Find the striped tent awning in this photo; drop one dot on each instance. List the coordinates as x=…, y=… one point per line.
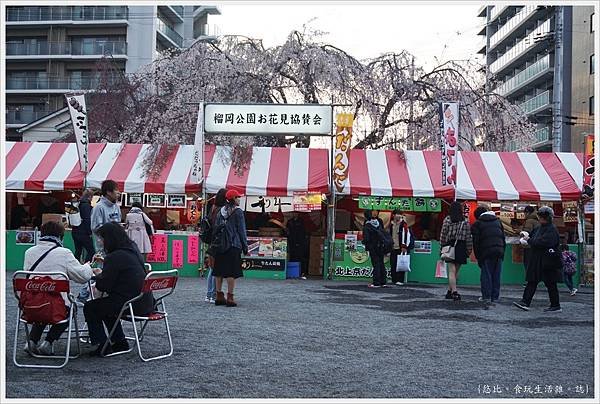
x=387, y=173
x=507, y=176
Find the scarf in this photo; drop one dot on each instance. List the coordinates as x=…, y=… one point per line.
x=52, y=239
x=405, y=237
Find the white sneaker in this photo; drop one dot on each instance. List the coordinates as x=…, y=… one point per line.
x=303, y=277
x=211, y=300
x=573, y=292
x=399, y=283
x=45, y=348
x=31, y=348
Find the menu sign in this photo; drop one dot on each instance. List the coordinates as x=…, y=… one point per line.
x=263, y=264
x=418, y=204
x=307, y=201
x=159, y=249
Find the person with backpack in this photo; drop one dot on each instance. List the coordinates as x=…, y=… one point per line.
x=569, y=259
x=206, y=229
x=377, y=242
x=489, y=243
x=228, y=243
x=455, y=235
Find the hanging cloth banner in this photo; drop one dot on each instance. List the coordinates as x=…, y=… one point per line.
x=78, y=112
x=198, y=159
x=449, y=118
x=343, y=140
x=588, y=166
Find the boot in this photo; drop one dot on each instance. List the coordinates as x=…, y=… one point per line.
x=230, y=302
x=220, y=300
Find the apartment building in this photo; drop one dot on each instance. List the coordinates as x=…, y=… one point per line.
x=53, y=50
x=532, y=56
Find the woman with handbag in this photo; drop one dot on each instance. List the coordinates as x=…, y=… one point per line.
x=403, y=244
x=456, y=245
x=139, y=228
x=49, y=255
x=545, y=262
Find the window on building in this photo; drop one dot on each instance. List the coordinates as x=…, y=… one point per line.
x=591, y=105
x=593, y=22
x=592, y=64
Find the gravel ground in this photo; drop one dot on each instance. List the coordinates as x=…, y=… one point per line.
x=314, y=339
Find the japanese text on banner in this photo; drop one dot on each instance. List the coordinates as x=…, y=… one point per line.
x=198, y=159
x=78, y=112
x=588, y=166
x=192, y=249
x=177, y=253
x=449, y=119
x=343, y=142
x=159, y=249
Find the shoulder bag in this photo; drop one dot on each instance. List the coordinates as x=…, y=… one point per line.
x=448, y=253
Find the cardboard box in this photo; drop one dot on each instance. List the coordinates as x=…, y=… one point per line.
x=315, y=261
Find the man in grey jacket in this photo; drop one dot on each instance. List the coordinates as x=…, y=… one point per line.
x=106, y=210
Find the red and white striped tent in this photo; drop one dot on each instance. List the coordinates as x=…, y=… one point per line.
x=491, y=176
x=387, y=173
x=273, y=171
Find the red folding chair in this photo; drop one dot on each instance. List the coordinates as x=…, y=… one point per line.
x=161, y=284
x=27, y=281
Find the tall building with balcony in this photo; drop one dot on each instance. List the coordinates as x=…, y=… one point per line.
x=529, y=59
x=53, y=50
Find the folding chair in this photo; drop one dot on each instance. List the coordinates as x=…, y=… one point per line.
x=23, y=281
x=161, y=284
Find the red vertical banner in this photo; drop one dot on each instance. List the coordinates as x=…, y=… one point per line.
x=159, y=249
x=177, y=253
x=192, y=249
x=588, y=166
x=449, y=119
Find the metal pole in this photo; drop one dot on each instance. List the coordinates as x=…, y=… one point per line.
x=331, y=207
x=411, y=133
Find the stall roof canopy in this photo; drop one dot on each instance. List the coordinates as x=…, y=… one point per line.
x=281, y=171
x=273, y=171
x=519, y=176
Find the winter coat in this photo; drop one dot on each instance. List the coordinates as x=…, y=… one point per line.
x=370, y=238
x=456, y=231
x=58, y=260
x=105, y=211
x=85, y=211
x=531, y=222
x=541, y=239
x=489, y=240
x=236, y=226
x=136, y=229
x=123, y=276
x=405, y=235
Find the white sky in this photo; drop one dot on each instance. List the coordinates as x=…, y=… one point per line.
x=364, y=30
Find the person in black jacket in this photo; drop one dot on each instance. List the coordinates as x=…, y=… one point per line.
x=371, y=240
x=122, y=278
x=82, y=234
x=544, y=262
x=403, y=244
x=489, y=243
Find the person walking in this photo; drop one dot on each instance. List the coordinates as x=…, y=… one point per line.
x=569, y=268
x=57, y=259
x=456, y=232
x=489, y=243
x=545, y=263
x=228, y=265
x=107, y=209
x=219, y=202
x=531, y=222
x=372, y=242
x=297, y=246
x=122, y=278
x=135, y=223
x=82, y=234
x=403, y=244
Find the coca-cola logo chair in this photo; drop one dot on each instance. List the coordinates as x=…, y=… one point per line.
x=40, y=295
x=161, y=284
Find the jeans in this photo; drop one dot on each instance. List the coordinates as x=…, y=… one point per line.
x=491, y=269
x=568, y=280
x=54, y=333
x=211, y=291
x=552, y=293
x=379, y=275
x=99, y=311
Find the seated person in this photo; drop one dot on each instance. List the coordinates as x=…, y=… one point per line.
x=122, y=278
x=60, y=259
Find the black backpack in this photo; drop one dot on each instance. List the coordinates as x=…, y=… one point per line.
x=221, y=238
x=385, y=243
x=206, y=230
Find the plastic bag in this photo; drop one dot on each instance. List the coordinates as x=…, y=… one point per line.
x=441, y=270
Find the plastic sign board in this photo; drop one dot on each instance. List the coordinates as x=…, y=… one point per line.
x=417, y=204
x=282, y=119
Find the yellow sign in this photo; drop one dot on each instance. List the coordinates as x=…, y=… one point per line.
x=343, y=142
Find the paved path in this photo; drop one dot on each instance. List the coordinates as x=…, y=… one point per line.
x=313, y=338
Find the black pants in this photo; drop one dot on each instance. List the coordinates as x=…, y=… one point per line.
x=552, y=293
x=54, y=333
x=396, y=276
x=379, y=276
x=103, y=310
x=83, y=241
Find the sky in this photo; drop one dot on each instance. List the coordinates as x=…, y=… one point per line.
x=364, y=30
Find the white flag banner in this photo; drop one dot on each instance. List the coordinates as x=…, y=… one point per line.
x=198, y=160
x=76, y=104
x=449, y=118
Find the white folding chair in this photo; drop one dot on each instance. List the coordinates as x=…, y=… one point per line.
x=161, y=284
x=59, y=282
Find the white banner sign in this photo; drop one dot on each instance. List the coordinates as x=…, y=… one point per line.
x=270, y=203
x=76, y=104
x=268, y=118
x=449, y=123
x=198, y=158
